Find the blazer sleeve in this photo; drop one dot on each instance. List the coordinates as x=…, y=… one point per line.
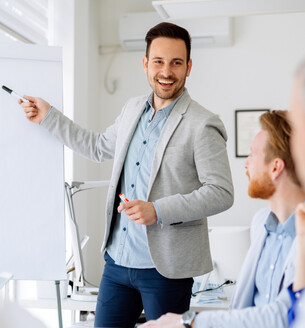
x=212, y=189
x=271, y=315
x=94, y=146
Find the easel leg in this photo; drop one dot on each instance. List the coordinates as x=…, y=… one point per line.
x=57, y=282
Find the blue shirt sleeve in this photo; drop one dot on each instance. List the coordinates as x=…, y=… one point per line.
x=157, y=209
x=294, y=296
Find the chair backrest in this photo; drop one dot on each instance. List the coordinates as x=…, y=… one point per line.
x=229, y=246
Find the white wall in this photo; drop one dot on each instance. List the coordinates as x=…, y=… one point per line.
x=89, y=205
x=76, y=29
x=255, y=73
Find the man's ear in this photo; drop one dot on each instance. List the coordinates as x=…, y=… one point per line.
x=189, y=67
x=278, y=166
x=145, y=63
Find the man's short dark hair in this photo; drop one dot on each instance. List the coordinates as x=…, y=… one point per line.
x=169, y=30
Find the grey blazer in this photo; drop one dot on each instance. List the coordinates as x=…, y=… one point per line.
x=243, y=314
x=190, y=177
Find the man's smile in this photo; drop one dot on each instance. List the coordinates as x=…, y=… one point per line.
x=165, y=83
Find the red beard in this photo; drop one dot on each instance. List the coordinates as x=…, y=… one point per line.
x=262, y=187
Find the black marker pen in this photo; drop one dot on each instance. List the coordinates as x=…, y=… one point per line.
x=14, y=93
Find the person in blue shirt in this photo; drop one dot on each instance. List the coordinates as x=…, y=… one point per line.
x=261, y=297
x=297, y=118
x=170, y=160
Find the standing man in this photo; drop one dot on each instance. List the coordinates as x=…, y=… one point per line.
x=170, y=161
x=261, y=298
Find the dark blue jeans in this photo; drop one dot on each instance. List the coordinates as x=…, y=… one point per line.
x=124, y=292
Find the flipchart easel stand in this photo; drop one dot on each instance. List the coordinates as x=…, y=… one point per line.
x=79, y=292
x=59, y=311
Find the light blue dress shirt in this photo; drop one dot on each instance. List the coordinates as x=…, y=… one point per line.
x=279, y=240
x=128, y=244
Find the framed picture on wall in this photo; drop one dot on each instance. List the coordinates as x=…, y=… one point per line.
x=246, y=127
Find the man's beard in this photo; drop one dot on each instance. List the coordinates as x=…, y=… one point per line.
x=262, y=187
x=167, y=94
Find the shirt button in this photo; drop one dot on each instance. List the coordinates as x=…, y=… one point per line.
x=280, y=237
x=137, y=163
x=132, y=186
x=267, y=296
x=124, y=229
x=144, y=142
x=297, y=295
x=271, y=267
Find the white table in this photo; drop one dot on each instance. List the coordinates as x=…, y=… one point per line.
x=69, y=304
x=76, y=306
x=66, y=304
x=212, y=306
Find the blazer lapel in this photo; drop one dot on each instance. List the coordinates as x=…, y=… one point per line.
x=125, y=137
x=288, y=271
x=169, y=128
x=244, y=293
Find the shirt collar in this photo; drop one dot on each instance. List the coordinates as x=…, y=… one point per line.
x=289, y=225
x=272, y=225
x=167, y=110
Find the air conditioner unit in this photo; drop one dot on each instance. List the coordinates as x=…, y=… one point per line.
x=205, y=32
